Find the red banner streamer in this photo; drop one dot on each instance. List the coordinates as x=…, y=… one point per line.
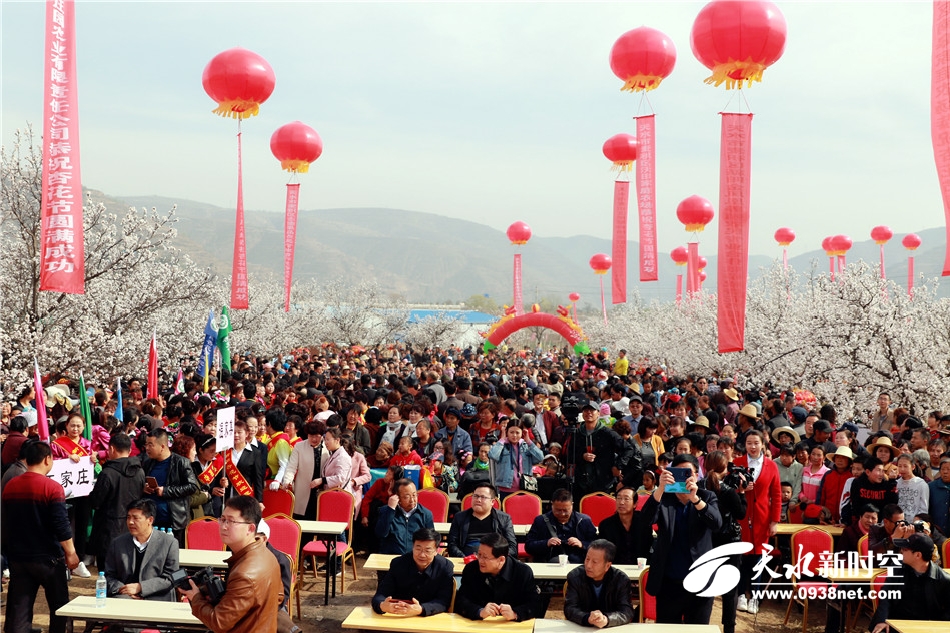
x=516, y=283
x=151, y=389
x=940, y=109
x=679, y=289
x=618, y=272
x=62, y=253
x=290, y=238
x=692, y=268
x=646, y=197
x=603, y=300
x=239, y=294
x=735, y=166
x=910, y=276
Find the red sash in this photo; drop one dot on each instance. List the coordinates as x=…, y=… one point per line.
x=270, y=446
x=70, y=446
x=294, y=441
x=210, y=473
x=234, y=475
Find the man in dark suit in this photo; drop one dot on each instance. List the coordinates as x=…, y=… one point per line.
x=497, y=584
x=685, y=525
x=139, y=564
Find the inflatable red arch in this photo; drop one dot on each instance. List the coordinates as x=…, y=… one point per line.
x=560, y=323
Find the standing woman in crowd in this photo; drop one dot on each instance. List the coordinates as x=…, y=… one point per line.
x=72, y=445
x=359, y=473
x=732, y=507
x=201, y=453
x=513, y=457
x=649, y=442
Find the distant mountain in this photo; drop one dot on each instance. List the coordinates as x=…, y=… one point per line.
x=431, y=258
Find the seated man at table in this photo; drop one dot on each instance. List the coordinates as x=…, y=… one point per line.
x=401, y=518
x=598, y=594
x=497, y=584
x=418, y=583
x=625, y=529
x=560, y=531
x=469, y=526
x=853, y=533
x=924, y=587
x=139, y=563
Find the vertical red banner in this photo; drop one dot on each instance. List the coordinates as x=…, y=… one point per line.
x=646, y=196
x=516, y=285
x=940, y=110
x=239, y=294
x=679, y=289
x=910, y=276
x=151, y=389
x=692, y=268
x=618, y=272
x=735, y=167
x=290, y=238
x=62, y=252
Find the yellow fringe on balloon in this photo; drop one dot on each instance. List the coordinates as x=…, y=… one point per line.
x=519, y=242
x=641, y=83
x=734, y=74
x=695, y=228
x=295, y=165
x=622, y=165
x=237, y=109
x=600, y=272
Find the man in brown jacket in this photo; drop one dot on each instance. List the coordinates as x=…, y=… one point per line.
x=254, y=591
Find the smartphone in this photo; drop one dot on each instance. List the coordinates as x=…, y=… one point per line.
x=151, y=482
x=680, y=475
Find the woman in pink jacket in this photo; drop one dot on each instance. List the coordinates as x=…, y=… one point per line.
x=359, y=473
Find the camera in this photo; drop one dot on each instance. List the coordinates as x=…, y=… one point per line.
x=210, y=585
x=738, y=476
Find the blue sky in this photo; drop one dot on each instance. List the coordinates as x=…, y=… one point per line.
x=496, y=112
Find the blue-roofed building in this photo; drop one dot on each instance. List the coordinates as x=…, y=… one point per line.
x=471, y=323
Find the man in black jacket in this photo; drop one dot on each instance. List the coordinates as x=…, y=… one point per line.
x=598, y=594
x=418, y=583
x=497, y=584
x=560, y=531
x=595, y=451
x=469, y=526
x=174, y=483
x=924, y=587
x=120, y=483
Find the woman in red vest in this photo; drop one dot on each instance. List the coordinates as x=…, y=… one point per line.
x=72, y=445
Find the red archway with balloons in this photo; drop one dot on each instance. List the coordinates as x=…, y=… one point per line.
x=562, y=323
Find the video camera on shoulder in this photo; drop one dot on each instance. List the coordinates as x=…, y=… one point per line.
x=739, y=476
x=210, y=585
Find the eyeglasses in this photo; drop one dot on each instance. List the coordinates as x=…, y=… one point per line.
x=482, y=497
x=230, y=522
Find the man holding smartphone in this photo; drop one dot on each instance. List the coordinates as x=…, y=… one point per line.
x=418, y=583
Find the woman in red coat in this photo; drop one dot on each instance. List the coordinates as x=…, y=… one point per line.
x=764, y=498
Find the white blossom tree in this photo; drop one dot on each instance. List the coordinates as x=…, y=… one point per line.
x=435, y=330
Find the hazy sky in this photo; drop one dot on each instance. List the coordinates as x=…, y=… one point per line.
x=496, y=112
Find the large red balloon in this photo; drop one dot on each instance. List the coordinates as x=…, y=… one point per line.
x=601, y=263
x=881, y=234
x=841, y=244
x=738, y=40
x=695, y=212
x=784, y=236
x=827, y=247
x=680, y=255
x=702, y=263
x=519, y=233
x=296, y=145
x=239, y=81
x=911, y=241
x=642, y=58
x=574, y=297
x=622, y=150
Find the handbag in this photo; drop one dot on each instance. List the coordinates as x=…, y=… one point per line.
x=529, y=483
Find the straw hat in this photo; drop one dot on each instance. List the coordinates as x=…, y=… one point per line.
x=732, y=394
x=785, y=429
x=884, y=441
x=843, y=451
x=58, y=394
x=749, y=411
x=700, y=421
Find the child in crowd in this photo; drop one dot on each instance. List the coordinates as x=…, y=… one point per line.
x=649, y=483
x=786, y=500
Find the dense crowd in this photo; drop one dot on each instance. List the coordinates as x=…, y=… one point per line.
x=383, y=423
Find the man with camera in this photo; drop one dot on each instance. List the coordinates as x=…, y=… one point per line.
x=139, y=563
x=253, y=593
x=923, y=587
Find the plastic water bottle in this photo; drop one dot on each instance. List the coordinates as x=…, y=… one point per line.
x=101, y=590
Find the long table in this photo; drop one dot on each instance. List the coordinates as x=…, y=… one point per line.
x=915, y=626
x=443, y=529
x=365, y=618
x=566, y=626
x=542, y=571
x=201, y=558
x=328, y=532
x=135, y=613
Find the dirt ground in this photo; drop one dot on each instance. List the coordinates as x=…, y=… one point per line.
x=319, y=619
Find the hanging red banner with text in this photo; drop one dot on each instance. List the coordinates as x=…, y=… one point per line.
x=239, y=294
x=516, y=283
x=735, y=166
x=646, y=196
x=940, y=110
x=618, y=273
x=290, y=238
x=62, y=252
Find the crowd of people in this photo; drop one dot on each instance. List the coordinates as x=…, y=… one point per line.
x=382, y=423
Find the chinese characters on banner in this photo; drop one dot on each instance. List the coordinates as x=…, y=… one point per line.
x=76, y=478
x=62, y=254
x=225, y=434
x=239, y=292
x=290, y=239
x=646, y=196
x=618, y=273
x=516, y=282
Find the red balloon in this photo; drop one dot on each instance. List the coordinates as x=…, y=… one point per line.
x=239, y=80
x=702, y=275
x=574, y=297
x=738, y=40
x=642, y=58
x=702, y=263
x=784, y=236
x=695, y=212
x=841, y=244
x=600, y=263
x=622, y=150
x=296, y=145
x=911, y=241
x=826, y=246
x=680, y=255
x=519, y=233
x=881, y=234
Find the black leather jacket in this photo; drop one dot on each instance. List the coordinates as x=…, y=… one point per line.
x=614, y=601
x=179, y=487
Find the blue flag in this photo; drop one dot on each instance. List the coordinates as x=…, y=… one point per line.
x=207, y=347
x=118, y=392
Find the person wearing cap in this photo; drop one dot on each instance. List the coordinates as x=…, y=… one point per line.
x=872, y=487
x=832, y=485
x=701, y=425
x=924, y=587
x=884, y=450
x=732, y=401
x=594, y=450
x=821, y=434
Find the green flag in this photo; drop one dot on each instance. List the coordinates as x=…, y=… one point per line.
x=84, y=408
x=224, y=328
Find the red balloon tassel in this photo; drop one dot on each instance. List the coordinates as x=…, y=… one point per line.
x=910, y=276
x=619, y=253
x=518, y=233
x=646, y=196
x=603, y=300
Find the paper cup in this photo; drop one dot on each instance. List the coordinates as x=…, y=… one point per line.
x=562, y=560
x=641, y=563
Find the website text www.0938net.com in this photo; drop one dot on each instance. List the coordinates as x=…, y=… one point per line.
x=812, y=591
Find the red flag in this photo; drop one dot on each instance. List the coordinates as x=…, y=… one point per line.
x=646, y=196
x=42, y=425
x=735, y=167
x=618, y=272
x=940, y=109
x=290, y=238
x=239, y=293
x=152, y=390
x=62, y=255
